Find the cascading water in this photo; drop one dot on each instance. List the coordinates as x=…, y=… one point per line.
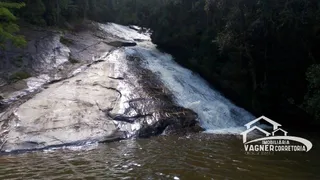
x=216, y=113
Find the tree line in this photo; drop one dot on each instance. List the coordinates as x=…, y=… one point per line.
x=262, y=54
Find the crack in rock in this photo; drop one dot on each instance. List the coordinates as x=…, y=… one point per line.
x=130, y=119
x=123, y=118
x=110, y=88
x=116, y=78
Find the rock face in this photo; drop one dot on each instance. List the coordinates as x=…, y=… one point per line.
x=66, y=112
x=105, y=97
x=49, y=56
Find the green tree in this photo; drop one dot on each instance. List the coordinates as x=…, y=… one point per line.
x=8, y=26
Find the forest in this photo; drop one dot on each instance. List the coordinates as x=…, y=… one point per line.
x=263, y=55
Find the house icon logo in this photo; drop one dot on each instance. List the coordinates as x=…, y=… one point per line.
x=250, y=128
x=274, y=138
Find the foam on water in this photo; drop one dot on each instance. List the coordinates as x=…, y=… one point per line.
x=216, y=113
x=123, y=32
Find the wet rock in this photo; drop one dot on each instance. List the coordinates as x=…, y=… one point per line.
x=3, y=82
x=148, y=107
x=108, y=97
x=175, y=121
x=64, y=113
x=49, y=53
x=139, y=40
x=121, y=43
x=137, y=28
x=95, y=108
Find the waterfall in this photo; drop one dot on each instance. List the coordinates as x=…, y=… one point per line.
x=216, y=113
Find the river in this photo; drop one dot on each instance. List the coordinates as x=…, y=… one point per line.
x=200, y=156
x=218, y=153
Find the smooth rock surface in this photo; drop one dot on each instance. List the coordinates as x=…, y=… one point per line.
x=66, y=112
x=109, y=96
x=51, y=55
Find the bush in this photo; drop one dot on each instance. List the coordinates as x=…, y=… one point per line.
x=19, y=76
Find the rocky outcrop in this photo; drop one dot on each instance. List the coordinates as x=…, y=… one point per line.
x=105, y=95
x=65, y=112
x=50, y=56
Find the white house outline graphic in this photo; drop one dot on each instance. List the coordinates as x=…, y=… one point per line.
x=285, y=132
x=273, y=123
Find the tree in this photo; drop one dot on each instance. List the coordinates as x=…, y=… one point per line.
x=8, y=26
x=312, y=99
x=34, y=11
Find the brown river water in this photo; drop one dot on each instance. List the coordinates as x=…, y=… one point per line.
x=196, y=156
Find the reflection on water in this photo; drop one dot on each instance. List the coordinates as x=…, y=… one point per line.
x=203, y=156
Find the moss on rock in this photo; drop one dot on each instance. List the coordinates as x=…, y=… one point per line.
x=66, y=41
x=19, y=76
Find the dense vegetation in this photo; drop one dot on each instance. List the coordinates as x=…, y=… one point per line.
x=8, y=26
x=261, y=54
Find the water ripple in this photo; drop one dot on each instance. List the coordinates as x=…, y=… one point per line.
x=202, y=156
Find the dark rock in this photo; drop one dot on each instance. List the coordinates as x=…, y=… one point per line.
x=121, y=43
x=135, y=27
x=139, y=40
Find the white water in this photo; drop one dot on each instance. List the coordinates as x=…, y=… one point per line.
x=216, y=113
x=124, y=32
